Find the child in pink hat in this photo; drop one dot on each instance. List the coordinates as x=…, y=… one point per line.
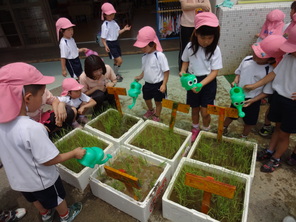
x=69, y=52
x=202, y=58
x=283, y=104
x=273, y=25
x=110, y=31
x=28, y=155
x=155, y=71
x=288, y=27
x=78, y=101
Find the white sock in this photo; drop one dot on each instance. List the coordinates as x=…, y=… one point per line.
x=196, y=126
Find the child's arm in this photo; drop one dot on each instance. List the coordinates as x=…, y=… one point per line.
x=236, y=80
x=255, y=99
x=82, y=50
x=59, y=111
x=208, y=79
x=184, y=68
x=77, y=153
x=165, y=81
x=64, y=70
x=138, y=78
x=268, y=78
x=125, y=28
x=105, y=44
x=89, y=104
x=205, y=5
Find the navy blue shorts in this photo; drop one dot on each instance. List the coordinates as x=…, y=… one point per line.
x=283, y=110
x=206, y=95
x=151, y=91
x=74, y=67
x=251, y=113
x=115, y=50
x=48, y=197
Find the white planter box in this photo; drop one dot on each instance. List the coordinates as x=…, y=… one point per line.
x=174, y=161
x=176, y=212
x=139, y=210
x=80, y=180
x=116, y=141
x=252, y=146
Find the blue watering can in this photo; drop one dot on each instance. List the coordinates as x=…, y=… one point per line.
x=134, y=91
x=189, y=81
x=93, y=156
x=237, y=97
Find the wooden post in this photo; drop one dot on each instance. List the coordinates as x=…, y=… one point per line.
x=209, y=186
x=222, y=112
x=117, y=91
x=174, y=106
x=128, y=180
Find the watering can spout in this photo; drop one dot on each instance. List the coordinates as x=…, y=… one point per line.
x=109, y=156
x=237, y=97
x=93, y=156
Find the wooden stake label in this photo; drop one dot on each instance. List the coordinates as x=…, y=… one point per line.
x=117, y=91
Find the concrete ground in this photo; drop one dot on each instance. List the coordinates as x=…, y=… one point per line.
x=272, y=197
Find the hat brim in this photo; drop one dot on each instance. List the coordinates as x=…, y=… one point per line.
x=259, y=52
x=140, y=44
x=45, y=80
x=288, y=47
x=110, y=12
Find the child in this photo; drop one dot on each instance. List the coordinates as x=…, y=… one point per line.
x=28, y=155
x=68, y=48
x=110, y=31
x=290, y=25
x=252, y=69
x=78, y=101
x=273, y=25
x=202, y=57
x=282, y=107
x=155, y=71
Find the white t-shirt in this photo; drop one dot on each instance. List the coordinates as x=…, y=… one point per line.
x=199, y=65
x=68, y=48
x=250, y=72
x=110, y=30
x=285, y=80
x=24, y=148
x=154, y=65
x=74, y=102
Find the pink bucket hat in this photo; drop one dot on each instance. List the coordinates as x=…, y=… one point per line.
x=273, y=24
x=107, y=9
x=70, y=84
x=289, y=45
x=63, y=23
x=290, y=27
x=90, y=52
x=206, y=18
x=269, y=47
x=13, y=78
x=146, y=35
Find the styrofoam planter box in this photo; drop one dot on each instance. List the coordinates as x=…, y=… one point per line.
x=80, y=180
x=139, y=210
x=253, y=146
x=174, y=161
x=176, y=212
x=115, y=141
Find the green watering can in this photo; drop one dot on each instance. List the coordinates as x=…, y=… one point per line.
x=134, y=91
x=189, y=81
x=93, y=156
x=237, y=97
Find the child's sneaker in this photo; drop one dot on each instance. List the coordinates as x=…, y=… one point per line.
x=264, y=155
x=149, y=114
x=12, y=215
x=155, y=118
x=289, y=219
x=49, y=216
x=76, y=125
x=291, y=161
x=195, y=133
x=82, y=119
x=266, y=130
x=74, y=210
x=270, y=165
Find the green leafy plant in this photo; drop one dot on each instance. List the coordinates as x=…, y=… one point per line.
x=113, y=123
x=222, y=208
x=78, y=139
x=236, y=156
x=161, y=141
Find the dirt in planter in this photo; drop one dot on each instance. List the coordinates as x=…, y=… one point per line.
x=221, y=208
x=138, y=167
x=79, y=139
x=161, y=141
x=114, y=124
x=236, y=156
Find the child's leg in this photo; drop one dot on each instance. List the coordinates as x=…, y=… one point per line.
x=206, y=118
x=158, y=108
x=195, y=115
x=149, y=104
x=117, y=63
x=75, y=124
x=39, y=207
x=247, y=130
x=227, y=122
x=282, y=144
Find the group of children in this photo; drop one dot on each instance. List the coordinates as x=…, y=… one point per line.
x=273, y=63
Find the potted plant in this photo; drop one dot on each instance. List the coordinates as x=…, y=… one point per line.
x=71, y=170
x=113, y=126
x=160, y=141
x=230, y=153
x=181, y=202
x=151, y=173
